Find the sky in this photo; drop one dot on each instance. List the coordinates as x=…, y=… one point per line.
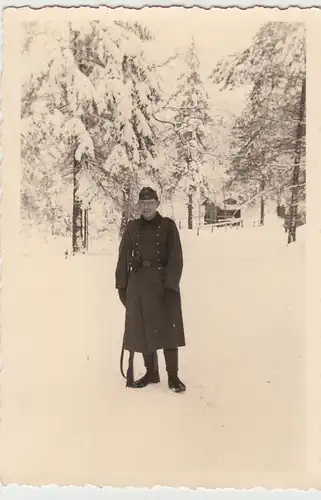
x=217, y=34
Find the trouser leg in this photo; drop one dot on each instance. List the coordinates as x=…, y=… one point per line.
x=151, y=362
x=171, y=361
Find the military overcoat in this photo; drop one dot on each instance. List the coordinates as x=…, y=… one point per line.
x=153, y=317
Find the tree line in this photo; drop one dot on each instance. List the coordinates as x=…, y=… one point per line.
x=96, y=121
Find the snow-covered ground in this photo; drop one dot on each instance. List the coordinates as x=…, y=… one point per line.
x=64, y=401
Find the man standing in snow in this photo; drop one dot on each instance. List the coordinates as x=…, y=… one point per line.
x=148, y=274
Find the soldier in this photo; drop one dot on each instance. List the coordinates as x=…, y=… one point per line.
x=148, y=274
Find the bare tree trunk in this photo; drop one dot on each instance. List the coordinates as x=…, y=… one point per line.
x=199, y=214
x=82, y=224
x=85, y=231
x=262, y=207
x=296, y=169
x=77, y=241
x=190, y=209
x=126, y=209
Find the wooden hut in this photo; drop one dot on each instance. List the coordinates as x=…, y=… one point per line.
x=219, y=212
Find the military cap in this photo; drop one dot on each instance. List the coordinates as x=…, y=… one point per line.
x=148, y=193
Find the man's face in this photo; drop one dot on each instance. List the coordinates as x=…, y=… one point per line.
x=148, y=208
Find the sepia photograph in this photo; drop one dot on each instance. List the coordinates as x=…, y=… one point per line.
x=155, y=323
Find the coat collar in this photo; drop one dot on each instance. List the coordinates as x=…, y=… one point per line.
x=153, y=223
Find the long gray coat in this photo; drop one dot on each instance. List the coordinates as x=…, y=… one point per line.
x=153, y=301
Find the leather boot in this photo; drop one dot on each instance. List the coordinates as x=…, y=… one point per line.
x=171, y=361
x=152, y=374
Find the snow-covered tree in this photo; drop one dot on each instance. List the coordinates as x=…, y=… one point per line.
x=264, y=136
x=188, y=137
x=93, y=78
x=122, y=125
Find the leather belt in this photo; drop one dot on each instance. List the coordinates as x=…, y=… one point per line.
x=147, y=263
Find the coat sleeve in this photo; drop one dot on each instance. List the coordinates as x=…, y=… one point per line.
x=174, y=268
x=122, y=268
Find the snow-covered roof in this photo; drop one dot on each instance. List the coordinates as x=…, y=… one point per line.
x=221, y=204
x=228, y=206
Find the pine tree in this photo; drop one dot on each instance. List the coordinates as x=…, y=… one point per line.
x=189, y=131
x=296, y=169
x=264, y=141
x=82, y=155
x=125, y=133
x=94, y=86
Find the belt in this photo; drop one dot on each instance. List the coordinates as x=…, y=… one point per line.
x=147, y=263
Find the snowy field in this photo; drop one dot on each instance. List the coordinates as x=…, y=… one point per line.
x=243, y=293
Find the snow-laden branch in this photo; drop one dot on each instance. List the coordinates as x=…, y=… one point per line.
x=264, y=193
x=166, y=62
x=85, y=147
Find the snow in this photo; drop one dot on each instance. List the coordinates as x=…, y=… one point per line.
x=243, y=303
x=85, y=145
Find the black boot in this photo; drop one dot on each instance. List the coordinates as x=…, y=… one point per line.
x=152, y=374
x=171, y=360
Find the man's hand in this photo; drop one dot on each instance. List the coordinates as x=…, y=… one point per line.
x=122, y=296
